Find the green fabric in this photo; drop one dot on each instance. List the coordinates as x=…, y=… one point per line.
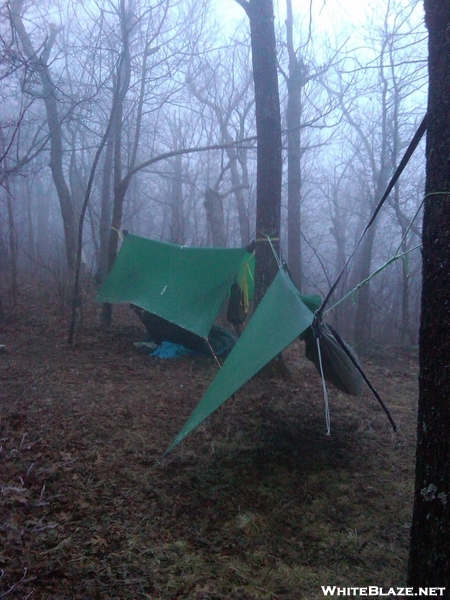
x=186, y=286
x=279, y=319
x=313, y=302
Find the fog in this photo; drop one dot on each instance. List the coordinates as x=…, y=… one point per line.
x=112, y=91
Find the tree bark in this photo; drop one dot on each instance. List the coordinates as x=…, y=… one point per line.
x=293, y=122
x=268, y=127
x=429, y=558
x=122, y=84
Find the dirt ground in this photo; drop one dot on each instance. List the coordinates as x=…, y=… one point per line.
x=258, y=503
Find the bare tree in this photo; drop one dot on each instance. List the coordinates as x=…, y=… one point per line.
x=128, y=134
x=225, y=91
x=38, y=82
x=375, y=135
x=300, y=72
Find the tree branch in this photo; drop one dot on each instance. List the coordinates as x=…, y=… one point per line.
x=173, y=153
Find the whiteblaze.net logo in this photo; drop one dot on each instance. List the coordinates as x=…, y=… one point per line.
x=375, y=591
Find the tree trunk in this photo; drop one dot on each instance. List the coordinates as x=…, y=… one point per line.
x=361, y=332
x=3, y=267
x=12, y=233
x=238, y=183
x=293, y=121
x=214, y=215
x=405, y=332
x=362, y=320
x=42, y=217
x=121, y=184
x=105, y=210
x=56, y=165
x=177, y=220
x=235, y=156
x=268, y=127
x=429, y=558
x=119, y=189
x=113, y=244
x=38, y=62
x=12, y=250
x=3, y=250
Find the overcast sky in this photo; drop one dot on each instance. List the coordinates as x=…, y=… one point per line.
x=336, y=19
x=333, y=14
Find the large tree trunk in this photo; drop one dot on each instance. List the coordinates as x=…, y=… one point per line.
x=268, y=128
x=293, y=122
x=429, y=559
x=120, y=183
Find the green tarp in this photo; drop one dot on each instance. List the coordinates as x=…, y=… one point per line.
x=280, y=318
x=186, y=286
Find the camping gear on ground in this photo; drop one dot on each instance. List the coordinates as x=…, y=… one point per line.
x=220, y=343
x=145, y=347
x=169, y=350
x=159, y=330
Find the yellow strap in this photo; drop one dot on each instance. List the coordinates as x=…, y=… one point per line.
x=119, y=232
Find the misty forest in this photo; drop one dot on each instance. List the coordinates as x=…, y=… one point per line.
x=135, y=117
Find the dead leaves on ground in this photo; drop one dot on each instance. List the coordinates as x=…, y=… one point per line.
x=258, y=503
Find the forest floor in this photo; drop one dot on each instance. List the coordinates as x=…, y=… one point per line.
x=258, y=503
